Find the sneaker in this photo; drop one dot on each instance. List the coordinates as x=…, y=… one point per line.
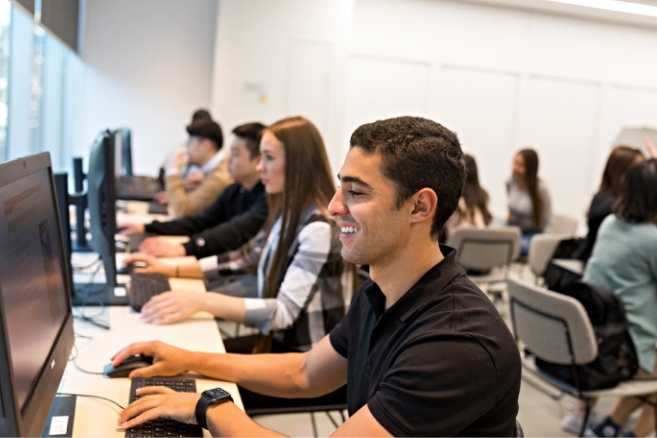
x=572, y=422
x=605, y=429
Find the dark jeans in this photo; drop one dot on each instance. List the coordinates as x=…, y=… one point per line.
x=258, y=404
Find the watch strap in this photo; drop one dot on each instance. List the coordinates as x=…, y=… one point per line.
x=206, y=400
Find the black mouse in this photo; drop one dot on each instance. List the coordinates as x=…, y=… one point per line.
x=125, y=367
x=130, y=268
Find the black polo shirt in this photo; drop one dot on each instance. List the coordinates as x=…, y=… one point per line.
x=439, y=362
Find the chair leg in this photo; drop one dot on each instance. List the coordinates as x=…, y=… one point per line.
x=312, y=420
x=587, y=413
x=335, y=424
x=344, y=419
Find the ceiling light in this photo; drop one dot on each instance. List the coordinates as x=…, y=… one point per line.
x=614, y=5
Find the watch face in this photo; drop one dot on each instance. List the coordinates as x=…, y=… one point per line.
x=216, y=393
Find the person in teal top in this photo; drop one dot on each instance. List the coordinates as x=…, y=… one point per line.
x=624, y=261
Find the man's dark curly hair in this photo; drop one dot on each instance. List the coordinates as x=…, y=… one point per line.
x=417, y=153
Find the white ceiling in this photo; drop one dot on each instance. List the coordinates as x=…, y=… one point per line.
x=591, y=13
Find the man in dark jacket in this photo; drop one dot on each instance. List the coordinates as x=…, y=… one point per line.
x=234, y=218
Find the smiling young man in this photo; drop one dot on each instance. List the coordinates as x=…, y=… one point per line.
x=422, y=349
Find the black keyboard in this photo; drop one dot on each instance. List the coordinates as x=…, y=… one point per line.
x=137, y=188
x=145, y=286
x=155, y=207
x=162, y=427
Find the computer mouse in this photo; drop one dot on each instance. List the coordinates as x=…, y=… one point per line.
x=125, y=367
x=130, y=268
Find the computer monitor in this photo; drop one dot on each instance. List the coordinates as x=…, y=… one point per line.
x=36, y=327
x=122, y=152
x=101, y=198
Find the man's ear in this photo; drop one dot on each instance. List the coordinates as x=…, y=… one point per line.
x=425, y=204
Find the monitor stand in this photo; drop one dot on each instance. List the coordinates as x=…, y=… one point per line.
x=96, y=294
x=60, y=419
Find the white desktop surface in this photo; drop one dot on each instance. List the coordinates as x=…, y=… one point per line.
x=95, y=417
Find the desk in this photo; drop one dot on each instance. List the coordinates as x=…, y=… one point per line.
x=95, y=417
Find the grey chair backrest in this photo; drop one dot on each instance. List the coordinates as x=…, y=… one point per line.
x=554, y=327
x=541, y=249
x=562, y=224
x=486, y=248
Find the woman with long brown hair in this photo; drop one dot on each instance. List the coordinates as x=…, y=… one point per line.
x=303, y=284
x=530, y=207
x=472, y=210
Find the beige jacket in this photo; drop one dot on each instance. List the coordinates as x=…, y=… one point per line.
x=194, y=202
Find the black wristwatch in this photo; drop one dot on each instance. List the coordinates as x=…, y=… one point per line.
x=210, y=397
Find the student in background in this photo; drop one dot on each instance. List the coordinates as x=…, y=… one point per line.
x=192, y=174
x=300, y=292
x=472, y=211
x=530, y=207
x=620, y=159
x=231, y=221
x=624, y=261
x=204, y=148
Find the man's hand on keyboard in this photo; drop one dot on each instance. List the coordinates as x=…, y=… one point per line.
x=167, y=360
x=160, y=402
x=159, y=247
x=170, y=307
x=154, y=266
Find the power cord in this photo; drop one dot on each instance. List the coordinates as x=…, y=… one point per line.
x=82, y=268
x=86, y=290
x=75, y=356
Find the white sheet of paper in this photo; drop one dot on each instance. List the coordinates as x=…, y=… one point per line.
x=58, y=425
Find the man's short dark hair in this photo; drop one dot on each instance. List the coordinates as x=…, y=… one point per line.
x=201, y=114
x=417, y=153
x=252, y=133
x=638, y=199
x=207, y=129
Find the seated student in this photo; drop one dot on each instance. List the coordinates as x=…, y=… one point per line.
x=624, y=261
x=300, y=294
x=620, y=159
x=204, y=148
x=232, y=220
x=423, y=350
x=192, y=175
x=472, y=210
x=530, y=207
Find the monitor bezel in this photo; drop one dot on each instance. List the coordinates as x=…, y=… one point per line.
x=31, y=419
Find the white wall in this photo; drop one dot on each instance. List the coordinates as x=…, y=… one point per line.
x=501, y=78
x=295, y=52
x=147, y=66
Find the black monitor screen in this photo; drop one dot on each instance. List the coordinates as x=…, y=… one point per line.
x=33, y=289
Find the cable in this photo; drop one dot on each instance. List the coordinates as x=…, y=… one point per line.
x=91, y=396
x=87, y=293
x=75, y=356
x=82, y=268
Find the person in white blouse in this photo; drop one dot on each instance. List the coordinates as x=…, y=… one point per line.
x=304, y=286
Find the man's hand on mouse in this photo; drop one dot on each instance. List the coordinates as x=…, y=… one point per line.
x=127, y=228
x=161, y=247
x=170, y=307
x=160, y=402
x=167, y=360
x=153, y=265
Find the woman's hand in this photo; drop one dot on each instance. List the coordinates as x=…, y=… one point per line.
x=153, y=265
x=170, y=307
